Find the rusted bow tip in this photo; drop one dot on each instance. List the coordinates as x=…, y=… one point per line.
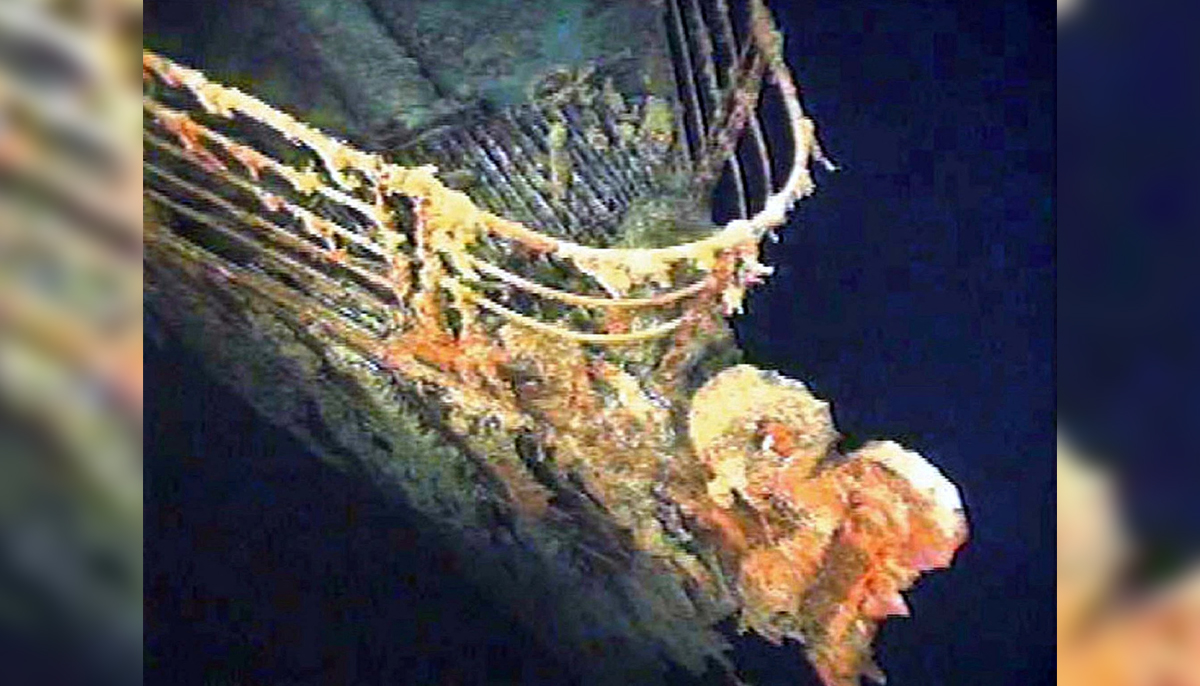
x=874, y=520
x=926, y=480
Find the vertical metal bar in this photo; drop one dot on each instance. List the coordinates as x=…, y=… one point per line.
x=764, y=153
x=724, y=14
x=756, y=132
x=688, y=78
x=707, y=69
x=739, y=184
x=728, y=42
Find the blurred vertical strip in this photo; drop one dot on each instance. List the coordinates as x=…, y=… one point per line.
x=1128, y=336
x=70, y=342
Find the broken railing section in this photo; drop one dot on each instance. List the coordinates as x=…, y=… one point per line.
x=583, y=348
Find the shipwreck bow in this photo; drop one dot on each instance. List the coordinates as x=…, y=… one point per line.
x=560, y=396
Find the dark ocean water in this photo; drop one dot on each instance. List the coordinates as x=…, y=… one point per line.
x=1129, y=318
x=915, y=291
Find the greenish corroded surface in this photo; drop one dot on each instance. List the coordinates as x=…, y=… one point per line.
x=328, y=61
x=495, y=49
x=666, y=219
x=360, y=67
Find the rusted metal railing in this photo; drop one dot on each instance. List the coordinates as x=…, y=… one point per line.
x=385, y=245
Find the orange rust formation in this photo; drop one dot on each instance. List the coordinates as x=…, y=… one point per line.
x=790, y=510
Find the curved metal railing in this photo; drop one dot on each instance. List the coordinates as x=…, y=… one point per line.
x=390, y=248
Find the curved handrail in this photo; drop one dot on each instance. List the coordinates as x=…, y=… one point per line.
x=588, y=300
x=460, y=221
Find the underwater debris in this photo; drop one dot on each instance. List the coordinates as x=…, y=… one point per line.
x=581, y=389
